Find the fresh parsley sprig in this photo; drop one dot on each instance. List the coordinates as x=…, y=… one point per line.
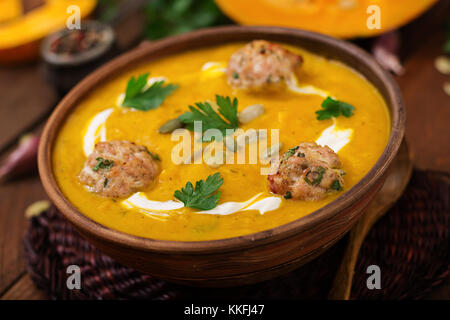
x=144, y=99
x=201, y=197
x=225, y=118
x=334, y=108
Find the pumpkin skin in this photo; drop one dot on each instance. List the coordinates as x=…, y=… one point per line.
x=20, y=36
x=338, y=18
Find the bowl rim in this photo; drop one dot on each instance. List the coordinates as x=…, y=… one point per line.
x=179, y=43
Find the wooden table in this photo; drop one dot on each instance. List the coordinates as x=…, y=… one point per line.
x=27, y=101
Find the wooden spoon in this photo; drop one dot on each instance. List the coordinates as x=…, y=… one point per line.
x=390, y=192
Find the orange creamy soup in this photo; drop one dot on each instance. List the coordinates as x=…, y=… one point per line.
x=247, y=202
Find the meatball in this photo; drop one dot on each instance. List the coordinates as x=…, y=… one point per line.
x=307, y=172
x=118, y=168
x=260, y=64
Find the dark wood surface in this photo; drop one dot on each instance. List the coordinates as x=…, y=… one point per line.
x=27, y=101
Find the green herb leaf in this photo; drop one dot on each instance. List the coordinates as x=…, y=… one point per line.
x=153, y=155
x=336, y=185
x=288, y=195
x=290, y=153
x=318, y=176
x=202, y=196
x=334, y=108
x=103, y=164
x=139, y=97
x=169, y=17
x=227, y=110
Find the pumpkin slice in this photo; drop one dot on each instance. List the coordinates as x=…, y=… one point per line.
x=20, y=35
x=10, y=9
x=339, y=18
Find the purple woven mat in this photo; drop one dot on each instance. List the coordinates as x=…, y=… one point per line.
x=410, y=244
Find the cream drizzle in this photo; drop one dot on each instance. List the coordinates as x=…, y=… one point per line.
x=140, y=202
x=292, y=84
x=335, y=138
x=96, y=131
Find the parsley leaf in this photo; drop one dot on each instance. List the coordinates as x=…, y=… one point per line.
x=103, y=164
x=334, y=108
x=210, y=118
x=139, y=97
x=202, y=196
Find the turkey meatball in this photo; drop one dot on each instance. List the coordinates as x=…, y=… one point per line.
x=118, y=168
x=260, y=64
x=307, y=172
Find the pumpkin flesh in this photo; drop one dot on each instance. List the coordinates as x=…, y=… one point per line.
x=339, y=18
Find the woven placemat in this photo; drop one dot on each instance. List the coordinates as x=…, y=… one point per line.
x=410, y=244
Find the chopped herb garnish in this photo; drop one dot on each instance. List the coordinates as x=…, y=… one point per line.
x=336, y=185
x=153, y=155
x=139, y=97
x=105, y=183
x=316, y=175
x=290, y=153
x=334, y=108
x=103, y=164
x=301, y=155
x=235, y=75
x=288, y=195
x=210, y=119
x=202, y=196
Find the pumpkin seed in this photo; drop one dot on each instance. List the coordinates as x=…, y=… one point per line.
x=271, y=151
x=37, y=208
x=230, y=144
x=442, y=64
x=447, y=88
x=196, y=155
x=250, y=113
x=216, y=160
x=236, y=143
x=170, y=126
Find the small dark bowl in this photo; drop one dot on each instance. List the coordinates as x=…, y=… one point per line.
x=64, y=71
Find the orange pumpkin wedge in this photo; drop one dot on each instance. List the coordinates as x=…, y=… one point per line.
x=10, y=9
x=20, y=35
x=338, y=18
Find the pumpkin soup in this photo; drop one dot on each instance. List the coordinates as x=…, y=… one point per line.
x=219, y=142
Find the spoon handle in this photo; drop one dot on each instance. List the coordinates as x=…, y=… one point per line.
x=396, y=182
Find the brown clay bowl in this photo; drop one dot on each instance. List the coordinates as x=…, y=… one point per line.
x=249, y=258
